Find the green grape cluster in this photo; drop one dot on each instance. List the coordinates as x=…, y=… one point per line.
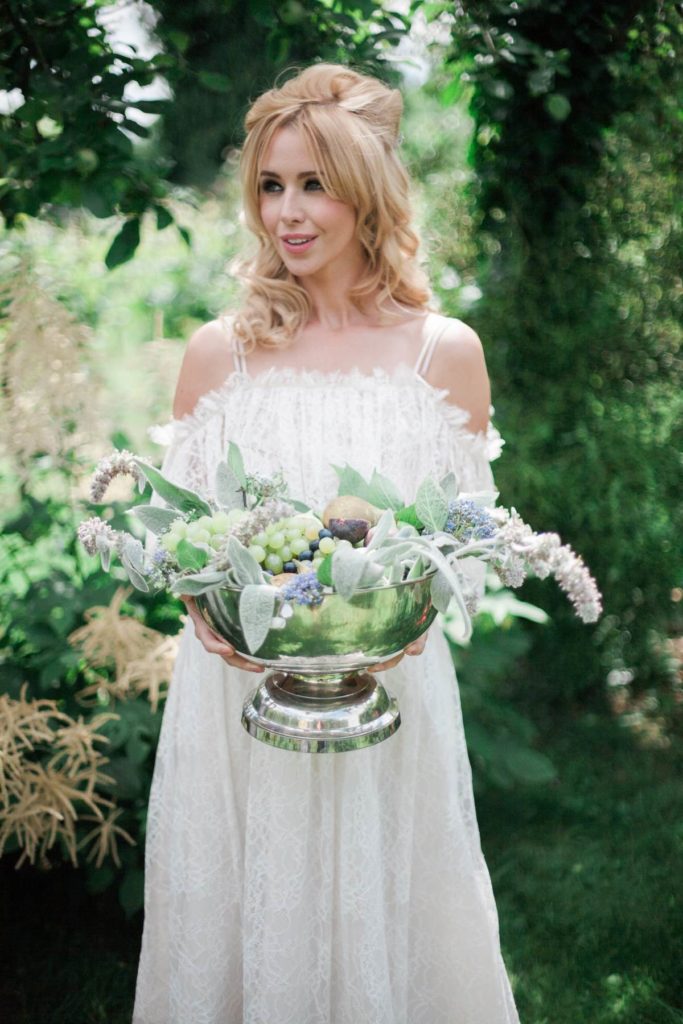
x=209, y=530
x=292, y=544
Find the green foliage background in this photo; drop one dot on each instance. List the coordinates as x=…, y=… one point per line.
x=545, y=149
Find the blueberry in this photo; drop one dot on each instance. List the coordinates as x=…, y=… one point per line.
x=305, y=556
x=325, y=533
x=314, y=545
x=289, y=567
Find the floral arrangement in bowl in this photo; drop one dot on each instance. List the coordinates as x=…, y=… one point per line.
x=280, y=554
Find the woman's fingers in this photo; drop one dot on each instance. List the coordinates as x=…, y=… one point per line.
x=417, y=647
x=215, y=644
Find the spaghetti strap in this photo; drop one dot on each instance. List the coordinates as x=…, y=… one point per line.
x=434, y=328
x=239, y=358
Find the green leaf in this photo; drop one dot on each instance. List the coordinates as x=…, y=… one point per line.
x=528, y=765
x=132, y=891
x=178, y=497
x=431, y=505
x=228, y=489
x=450, y=486
x=385, y=492
x=154, y=518
x=324, y=571
x=409, y=515
x=352, y=483
x=190, y=556
x=558, y=106
x=124, y=245
x=164, y=217
x=185, y=235
x=257, y=603
x=236, y=464
x=215, y=82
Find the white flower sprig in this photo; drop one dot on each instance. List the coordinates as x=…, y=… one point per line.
x=90, y=529
x=119, y=463
x=522, y=549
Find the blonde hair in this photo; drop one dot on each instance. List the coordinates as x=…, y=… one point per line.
x=351, y=123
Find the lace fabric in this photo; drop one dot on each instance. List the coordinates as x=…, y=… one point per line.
x=285, y=888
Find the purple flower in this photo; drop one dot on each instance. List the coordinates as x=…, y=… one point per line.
x=467, y=521
x=305, y=589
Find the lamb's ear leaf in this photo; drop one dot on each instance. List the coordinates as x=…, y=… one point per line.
x=381, y=531
x=104, y=548
x=417, y=569
x=132, y=559
x=245, y=568
x=385, y=493
x=198, y=583
x=190, y=556
x=156, y=519
x=441, y=592
x=348, y=565
x=257, y=603
x=450, y=487
x=229, y=492
x=236, y=464
x=178, y=497
x=431, y=505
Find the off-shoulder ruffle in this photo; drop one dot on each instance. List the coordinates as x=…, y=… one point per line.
x=212, y=404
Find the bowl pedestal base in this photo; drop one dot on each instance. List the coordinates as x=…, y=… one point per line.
x=319, y=714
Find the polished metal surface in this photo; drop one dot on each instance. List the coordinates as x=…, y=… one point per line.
x=288, y=713
x=316, y=701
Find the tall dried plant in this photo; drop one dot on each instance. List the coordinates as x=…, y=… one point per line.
x=46, y=391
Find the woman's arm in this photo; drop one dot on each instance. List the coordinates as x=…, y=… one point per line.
x=206, y=364
x=458, y=364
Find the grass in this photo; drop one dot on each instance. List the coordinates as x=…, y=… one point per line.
x=586, y=874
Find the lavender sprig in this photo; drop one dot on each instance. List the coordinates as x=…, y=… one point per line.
x=467, y=521
x=305, y=589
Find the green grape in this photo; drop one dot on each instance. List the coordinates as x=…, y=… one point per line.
x=276, y=541
x=199, y=537
x=271, y=528
x=273, y=562
x=261, y=539
x=204, y=523
x=220, y=523
x=285, y=553
x=179, y=528
x=170, y=542
x=216, y=541
x=293, y=533
x=311, y=532
x=258, y=552
x=298, y=545
x=327, y=545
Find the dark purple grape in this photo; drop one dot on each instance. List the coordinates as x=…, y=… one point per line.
x=305, y=556
x=314, y=545
x=289, y=567
x=325, y=533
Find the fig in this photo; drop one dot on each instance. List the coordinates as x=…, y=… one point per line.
x=347, y=506
x=352, y=530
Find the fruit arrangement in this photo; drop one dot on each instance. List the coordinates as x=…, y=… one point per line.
x=253, y=537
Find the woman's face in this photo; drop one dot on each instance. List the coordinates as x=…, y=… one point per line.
x=313, y=233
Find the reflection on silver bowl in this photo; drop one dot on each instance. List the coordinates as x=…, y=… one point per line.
x=319, y=699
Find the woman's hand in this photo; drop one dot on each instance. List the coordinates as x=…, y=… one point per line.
x=213, y=643
x=417, y=647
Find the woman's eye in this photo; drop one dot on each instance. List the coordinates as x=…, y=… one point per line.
x=313, y=184
x=269, y=185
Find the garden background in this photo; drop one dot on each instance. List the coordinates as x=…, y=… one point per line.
x=544, y=138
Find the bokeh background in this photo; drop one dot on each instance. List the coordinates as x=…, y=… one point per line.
x=545, y=140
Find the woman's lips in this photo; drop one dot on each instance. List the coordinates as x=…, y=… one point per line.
x=297, y=244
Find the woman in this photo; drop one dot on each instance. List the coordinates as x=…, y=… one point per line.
x=285, y=888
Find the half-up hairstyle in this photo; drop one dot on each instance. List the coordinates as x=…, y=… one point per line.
x=351, y=124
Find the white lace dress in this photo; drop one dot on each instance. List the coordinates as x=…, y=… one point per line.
x=289, y=888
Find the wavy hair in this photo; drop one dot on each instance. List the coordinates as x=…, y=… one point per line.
x=351, y=124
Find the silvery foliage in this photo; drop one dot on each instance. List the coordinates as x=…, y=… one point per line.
x=256, y=606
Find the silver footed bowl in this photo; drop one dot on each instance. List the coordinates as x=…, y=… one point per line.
x=319, y=698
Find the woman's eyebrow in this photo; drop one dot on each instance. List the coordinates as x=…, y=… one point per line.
x=274, y=174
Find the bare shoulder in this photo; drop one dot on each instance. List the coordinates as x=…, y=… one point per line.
x=206, y=364
x=459, y=365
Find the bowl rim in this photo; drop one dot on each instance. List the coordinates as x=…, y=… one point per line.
x=328, y=591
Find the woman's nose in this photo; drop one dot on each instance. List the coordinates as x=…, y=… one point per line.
x=290, y=208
